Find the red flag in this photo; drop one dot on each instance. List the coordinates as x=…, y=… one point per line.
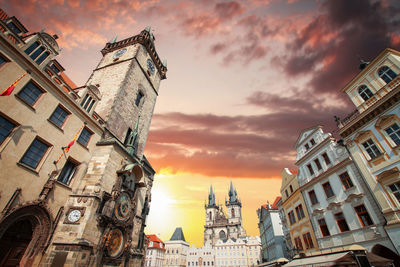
x=11, y=88
x=69, y=145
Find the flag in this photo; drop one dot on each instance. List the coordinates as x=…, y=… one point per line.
x=11, y=88
x=66, y=148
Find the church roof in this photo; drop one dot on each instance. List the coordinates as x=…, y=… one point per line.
x=178, y=235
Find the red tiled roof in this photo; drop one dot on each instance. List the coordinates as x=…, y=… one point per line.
x=273, y=206
x=156, y=242
x=68, y=80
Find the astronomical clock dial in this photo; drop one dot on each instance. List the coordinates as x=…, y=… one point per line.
x=150, y=66
x=115, y=243
x=74, y=214
x=123, y=207
x=119, y=53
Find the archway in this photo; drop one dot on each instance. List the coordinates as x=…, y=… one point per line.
x=387, y=253
x=24, y=233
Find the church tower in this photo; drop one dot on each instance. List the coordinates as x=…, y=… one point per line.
x=105, y=214
x=211, y=212
x=234, y=211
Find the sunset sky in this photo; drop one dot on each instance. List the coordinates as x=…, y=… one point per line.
x=244, y=78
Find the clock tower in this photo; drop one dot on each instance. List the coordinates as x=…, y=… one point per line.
x=104, y=217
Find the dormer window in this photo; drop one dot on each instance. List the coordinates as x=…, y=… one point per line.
x=14, y=28
x=387, y=74
x=37, y=53
x=365, y=92
x=42, y=57
x=55, y=69
x=87, y=103
x=32, y=47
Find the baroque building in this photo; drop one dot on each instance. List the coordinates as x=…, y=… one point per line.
x=219, y=226
x=372, y=136
x=84, y=185
x=342, y=209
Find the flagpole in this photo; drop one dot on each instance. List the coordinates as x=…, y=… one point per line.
x=66, y=149
x=9, y=89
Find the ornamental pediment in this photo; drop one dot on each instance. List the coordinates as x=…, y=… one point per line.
x=334, y=206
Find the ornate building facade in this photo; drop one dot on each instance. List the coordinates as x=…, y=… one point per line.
x=219, y=226
x=84, y=185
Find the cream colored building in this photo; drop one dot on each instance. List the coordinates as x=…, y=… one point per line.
x=238, y=252
x=176, y=249
x=204, y=256
x=86, y=206
x=155, y=252
x=371, y=133
x=342, y=209
x=297, y=218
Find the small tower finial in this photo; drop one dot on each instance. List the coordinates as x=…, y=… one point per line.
x=114, y=40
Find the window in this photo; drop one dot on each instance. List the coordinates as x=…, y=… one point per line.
x=307, y=146
x=31, y=48
x=30, y=93
x=365, y=92
x=298, y=244
x=35, y=153
x=37, y=52
x=313, y=197
x=84, y=137
x=3, y=60
x=387, y=74
x=318, y=164
x=395, y=188
x=292, y=219
x=323, y=227
x=287, y=195
x=55, y=68
x=312, y=141
x=300, y=212
x=58, y=117
x=328, y=190
x=346, y=181
x=67, y=172
x=310, y=169
x=87, y=103
x=6, y=128
x=326, y=159
x=341, y=222
x=308, y=240
x=394, y=133
x=13, y=27
x=42, y=57
x=291, y=189
x=363, y=215
x=371, y=148
x=138, y=98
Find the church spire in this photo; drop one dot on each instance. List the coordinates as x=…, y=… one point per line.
x=211, y=198
x=233, y=195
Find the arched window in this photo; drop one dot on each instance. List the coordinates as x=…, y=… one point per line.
x=387, y=74
x=233, y=212
x=210, y=215
x=365, y=92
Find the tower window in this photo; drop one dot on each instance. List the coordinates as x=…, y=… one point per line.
x=35, y=153
x=139, y=97
x=67, y=172
x=6, y=128
x=365, y=92
x=30, y=93
x=84, y=137
x=32, y=47
x=387, y=74
x=58, y=117
x=233, y=212
x=394, y=133
x=371, y=148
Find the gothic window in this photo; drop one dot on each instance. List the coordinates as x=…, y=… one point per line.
x=35, y=153
x=59, y=116
x=30, y=93
x=365, y=92
x=328, y=190
x=6, y=127
x=346, y=181
x=341, y=222
x=394, y=133
x=233, y=212
x=84, y=137
x=395, y=188
x=371, y=148
x=363, y=215
x=323, y=227
x=387, y=74
x=139, y=97
x=67, y=172
x=313, y=197
x=210, y=215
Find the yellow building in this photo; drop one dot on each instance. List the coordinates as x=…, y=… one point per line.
x=297, y=218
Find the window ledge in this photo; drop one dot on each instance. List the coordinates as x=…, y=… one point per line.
x=58, y=183
x=377, y=157
x=331, y=197
x=55, y=125
x=35, y=171
x=85, y=147
x=25, y=103
x=350, y=189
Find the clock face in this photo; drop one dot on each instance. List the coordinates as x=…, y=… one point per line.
x=122, y=207
x=119, y=53
x=150, y=66
x=115, y=243
x=74, y=216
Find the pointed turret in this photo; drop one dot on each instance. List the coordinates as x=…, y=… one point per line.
x=233, y=195
x=211, y=198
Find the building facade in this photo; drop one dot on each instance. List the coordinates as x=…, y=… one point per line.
x=245, y=251
x=176, y=249
x=204, y=256
x=271, y=232
x=371, y=134
x=155, y=252
x=297, y=218
x=218, y=225
x=84, y=186
x=341, y=208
